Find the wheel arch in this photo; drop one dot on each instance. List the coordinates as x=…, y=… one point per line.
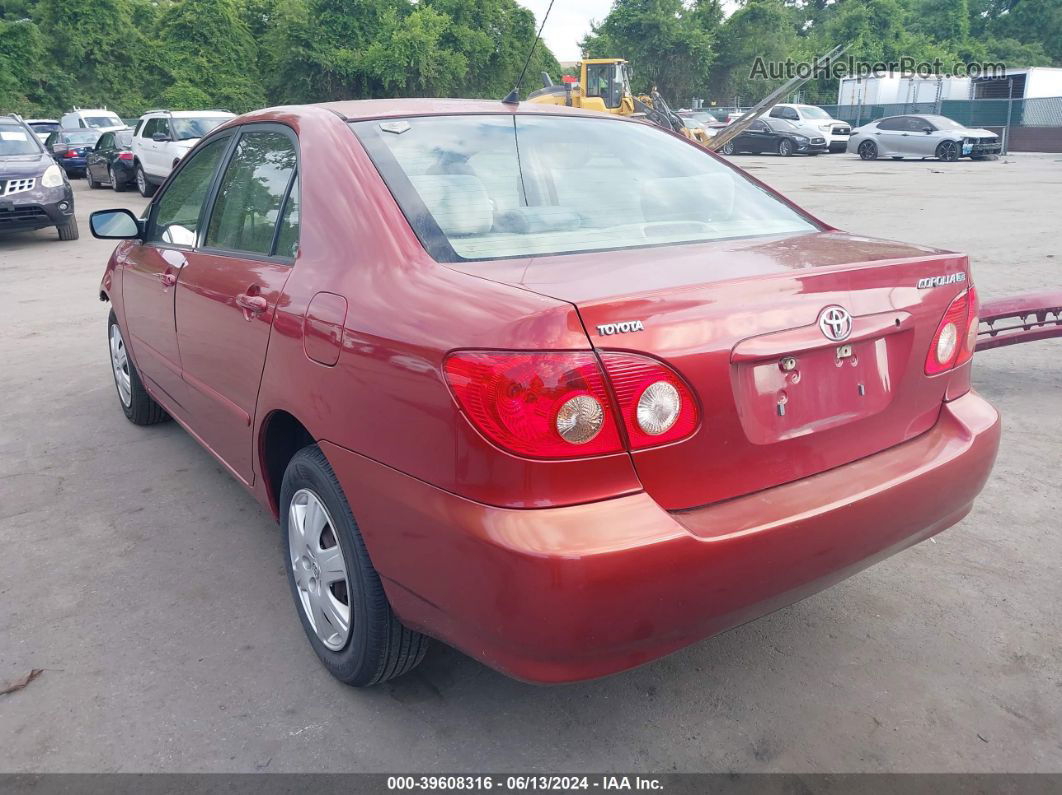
x=280, y=436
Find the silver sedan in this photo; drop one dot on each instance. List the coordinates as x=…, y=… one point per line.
x=921, y=136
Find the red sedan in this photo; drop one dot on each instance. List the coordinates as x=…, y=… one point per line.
x=563, y=390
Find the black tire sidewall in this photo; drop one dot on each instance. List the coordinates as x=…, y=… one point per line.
x=353, y=663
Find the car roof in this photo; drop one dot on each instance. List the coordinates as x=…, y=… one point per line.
x=359, y=109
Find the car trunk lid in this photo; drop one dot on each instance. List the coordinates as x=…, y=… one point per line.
x=740, y=321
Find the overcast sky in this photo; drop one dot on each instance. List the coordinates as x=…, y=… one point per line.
x=568, y=22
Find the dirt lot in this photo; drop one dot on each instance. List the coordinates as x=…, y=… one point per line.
x=150, y=587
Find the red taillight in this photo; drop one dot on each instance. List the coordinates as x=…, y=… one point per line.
x=543, y=404
x=125, y=155
x=956, y=336
x=656, y=404
x=70, y=153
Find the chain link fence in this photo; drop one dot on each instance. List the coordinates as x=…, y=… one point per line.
x=1045, y=112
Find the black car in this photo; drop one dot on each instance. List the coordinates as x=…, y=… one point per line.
x=69, y=148
x=761, y=137
x=34, y=191
x=111, y=161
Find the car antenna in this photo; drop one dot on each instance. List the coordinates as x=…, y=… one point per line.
x=513, y=97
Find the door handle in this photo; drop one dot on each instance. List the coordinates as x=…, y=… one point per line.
x=168, y=278
x=252, y=305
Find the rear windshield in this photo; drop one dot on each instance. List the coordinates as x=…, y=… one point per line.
x=44, y=126
x=124, y=138
x=186, y=129
x=80, y=137
x=101, y=121
x=15, y=140
x=493, y=186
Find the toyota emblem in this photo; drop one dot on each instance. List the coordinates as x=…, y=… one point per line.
x=835, y=323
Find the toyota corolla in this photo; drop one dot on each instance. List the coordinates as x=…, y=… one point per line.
x=563, y=390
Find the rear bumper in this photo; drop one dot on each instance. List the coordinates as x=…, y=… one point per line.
x=72, y=164
x=562, y=594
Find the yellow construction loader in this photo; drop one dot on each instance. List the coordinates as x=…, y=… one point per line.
x=604, y=85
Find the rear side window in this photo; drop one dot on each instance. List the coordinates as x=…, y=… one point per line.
x=149, y=128
x=177, y=213
x=492, y=186
x=895, y=123
x=251, y=194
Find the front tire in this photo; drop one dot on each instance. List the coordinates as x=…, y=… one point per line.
x=785, y=147
x=68, y=230
x=868, y=150
x=147, y=190
x=728, y=148
x=948, y=151
x=137, y=405
x=337, y=591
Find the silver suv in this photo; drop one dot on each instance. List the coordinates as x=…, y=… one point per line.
x=163, y=137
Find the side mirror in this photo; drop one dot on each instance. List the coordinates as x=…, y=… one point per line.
x=160, y=137
x=115, y=225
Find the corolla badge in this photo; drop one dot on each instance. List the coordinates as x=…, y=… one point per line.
x=941, y=281
x=835, y=323
x=620, y=328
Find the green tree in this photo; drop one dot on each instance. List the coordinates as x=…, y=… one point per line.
x=764, y=29
x=206, y=50
x=668, y=44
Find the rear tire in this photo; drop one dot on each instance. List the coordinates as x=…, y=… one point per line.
x=137, y=405
x=868, y=150
x=728, y=148
x=68, y=231
x=147, y=190
x=373, y=646
x=118, y=188
x=90, y=179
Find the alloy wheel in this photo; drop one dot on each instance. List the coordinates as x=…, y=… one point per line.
x=728, y=148
x=141, y=181
x=785, y=147
x=948, y=150
x=867, y=150
x=110, y=176
x=120, y=365
x=319, y=569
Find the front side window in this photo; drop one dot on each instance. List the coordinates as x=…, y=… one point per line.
x=185, y=129
x=484, y=187
x=251, y=194
x=602, y=81
x=178, y=209
x=15, y=140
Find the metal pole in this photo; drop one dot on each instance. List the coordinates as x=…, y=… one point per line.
x=1010, y=109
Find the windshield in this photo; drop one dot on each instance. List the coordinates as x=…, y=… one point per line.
x=942, y=122
x=14, y=140
x=79, y=137
x=186, y=129
x=811, y=112
x=485, y=187
x=97, y=122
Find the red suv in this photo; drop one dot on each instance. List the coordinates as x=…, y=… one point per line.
x=563, y=390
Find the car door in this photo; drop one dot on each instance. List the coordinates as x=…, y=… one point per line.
x=162, y=159
x=150, y=269
x=229, y=290
x=760, y=137
x=146, y=145
x=919, y=142
x=97, y=159
x=890, y=136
